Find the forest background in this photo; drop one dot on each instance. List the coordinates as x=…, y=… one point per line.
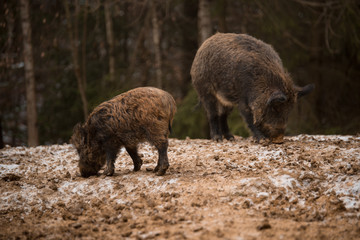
x=60, y=59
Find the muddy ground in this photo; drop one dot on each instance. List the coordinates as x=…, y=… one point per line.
x=306, y=188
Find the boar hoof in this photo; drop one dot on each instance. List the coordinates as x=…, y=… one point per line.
x=229, y=137
x=217, y=138
x=259, y=139
x=278, y=140
x=264, y=141
x=161, y=172
x=137, y=167
x=109, y=172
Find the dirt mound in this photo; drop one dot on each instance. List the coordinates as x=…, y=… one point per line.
x=306, y=188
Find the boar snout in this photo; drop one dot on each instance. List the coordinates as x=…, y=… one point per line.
x=278, y=140
x=90, y=165
x=274, y=133
x=86, y=170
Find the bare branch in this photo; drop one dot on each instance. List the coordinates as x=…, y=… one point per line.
x=156, y=41
x=317, y=4
x=110, y=39
x=83, y=48
x=73, y=36
x=299, y=43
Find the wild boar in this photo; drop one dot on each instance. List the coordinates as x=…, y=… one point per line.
x=139, y=115
x=239, y=70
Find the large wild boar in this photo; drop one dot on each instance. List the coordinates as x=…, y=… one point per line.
x=239, y=70
x=139, y=115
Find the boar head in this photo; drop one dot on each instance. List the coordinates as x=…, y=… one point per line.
x=91, y=157
x=271, y=114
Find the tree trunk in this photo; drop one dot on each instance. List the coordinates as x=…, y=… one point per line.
x=2, y=145
x=204, y=20
x=32, y=128
x=83, y=48
x=74, y=39
x=125, y=36
x=110, y=39
x=221, y=15
x=188, y=46
x=156, y=41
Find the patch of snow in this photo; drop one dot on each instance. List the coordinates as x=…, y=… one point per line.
x=348, y=191
x=82, y=188
x=285, y=181
x=310, y=138
x=5, y=168
x=351, y=186
x=266, y=154
x=161, y=186
x=351, y=202
x=248, y=181
x=262, y=194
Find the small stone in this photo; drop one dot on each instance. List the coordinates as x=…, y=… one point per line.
x=10, y=177
x=77, y=225
x=67, y=175
x=53, y=187
x=246, y=204
x=264, y=225
x=127, y=234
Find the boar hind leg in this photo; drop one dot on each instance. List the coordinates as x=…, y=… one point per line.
x=110, y=161
x=163, y=161
x=132, y=151
x=224, y=125
x=215, y=132
x=211, y=107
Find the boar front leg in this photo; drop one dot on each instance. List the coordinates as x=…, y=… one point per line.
x=110, y=161
x=132, y=151
x=215, y=132
x=248, y=116
x=223, y=123
x=211, y=104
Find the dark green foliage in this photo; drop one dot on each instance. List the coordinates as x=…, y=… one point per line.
x=237, y=125
x=63, y=102
x=190, y=120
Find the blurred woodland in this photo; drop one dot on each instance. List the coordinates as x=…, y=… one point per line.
x=61, y=58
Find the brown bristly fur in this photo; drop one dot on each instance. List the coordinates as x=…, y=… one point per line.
x=139, y=115
x=239, y=70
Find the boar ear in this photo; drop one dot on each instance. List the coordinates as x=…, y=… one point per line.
x=276, y=97
x=80, y=131
x=83, y=135
x=302, y=91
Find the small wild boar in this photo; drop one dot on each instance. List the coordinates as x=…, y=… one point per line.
x=239, y=70
x=139, y=115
